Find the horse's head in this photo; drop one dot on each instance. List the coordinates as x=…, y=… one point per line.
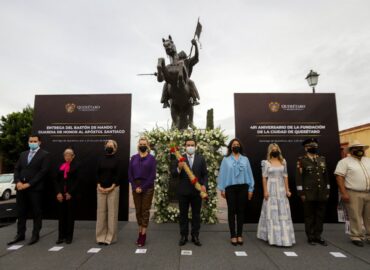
x=169, y=46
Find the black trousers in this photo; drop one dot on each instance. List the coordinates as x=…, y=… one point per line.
x=314, y=215
x=236, y=198
x=195, y=201
x=66, y=212
x=29, y=200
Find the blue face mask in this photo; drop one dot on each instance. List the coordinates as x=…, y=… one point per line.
x=33, y=146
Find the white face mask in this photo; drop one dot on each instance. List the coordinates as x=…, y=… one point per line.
x=190, y=150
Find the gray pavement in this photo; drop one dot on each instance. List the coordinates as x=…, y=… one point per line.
x=163, y=252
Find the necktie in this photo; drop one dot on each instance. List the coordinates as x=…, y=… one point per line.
x=30, y=156
x=191, y=161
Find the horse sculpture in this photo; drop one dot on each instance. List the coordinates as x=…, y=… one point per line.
x=178, y=89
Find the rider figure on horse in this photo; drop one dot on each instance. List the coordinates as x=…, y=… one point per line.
x=179, y=59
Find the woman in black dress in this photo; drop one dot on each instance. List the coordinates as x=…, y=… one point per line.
x=66, y=183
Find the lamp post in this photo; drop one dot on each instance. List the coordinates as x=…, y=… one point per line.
x=312, y=79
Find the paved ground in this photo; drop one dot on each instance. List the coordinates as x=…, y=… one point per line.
x=163, y=252
x=221, y=209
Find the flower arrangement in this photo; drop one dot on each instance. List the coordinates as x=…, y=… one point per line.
x=209, y=143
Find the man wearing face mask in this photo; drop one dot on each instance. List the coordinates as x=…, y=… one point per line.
x=313, y=186
x=29, y=175
x=187, y=194
x=353, y=178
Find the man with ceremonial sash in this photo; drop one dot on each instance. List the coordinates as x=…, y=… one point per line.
x=188, y=193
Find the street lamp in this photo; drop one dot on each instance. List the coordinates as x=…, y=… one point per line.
x=312, y=79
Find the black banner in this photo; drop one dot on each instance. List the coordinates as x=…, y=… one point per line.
x=84, y=122
x=287, y=119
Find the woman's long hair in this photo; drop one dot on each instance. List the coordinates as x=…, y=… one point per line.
x=269, y=150
x=229, y=150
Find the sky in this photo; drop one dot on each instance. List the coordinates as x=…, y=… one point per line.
x=97, y=47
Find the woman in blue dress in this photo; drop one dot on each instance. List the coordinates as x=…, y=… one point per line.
x=275, y=225
x=236, y=183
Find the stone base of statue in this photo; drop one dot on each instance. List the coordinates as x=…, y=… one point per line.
x=209, y=143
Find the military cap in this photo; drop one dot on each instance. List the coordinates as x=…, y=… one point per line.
x=310, y=141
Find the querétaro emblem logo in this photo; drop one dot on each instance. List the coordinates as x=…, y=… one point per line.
x=274, y=106
x=70, y=107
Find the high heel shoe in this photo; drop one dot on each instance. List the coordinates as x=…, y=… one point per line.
x=138, y=238
x=142, y=240
x=233, y=243
x=240, y=242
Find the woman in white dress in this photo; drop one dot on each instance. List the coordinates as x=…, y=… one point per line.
x=275, y=225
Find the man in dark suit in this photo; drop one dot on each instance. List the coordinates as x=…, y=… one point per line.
x=29, y=174
x=187, y=194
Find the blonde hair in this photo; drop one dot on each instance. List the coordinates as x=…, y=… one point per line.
x=115, y=145
x=269, y=150
x=147, y=143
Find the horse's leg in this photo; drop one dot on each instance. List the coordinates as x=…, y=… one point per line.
x=190, y=116
x=174, y=116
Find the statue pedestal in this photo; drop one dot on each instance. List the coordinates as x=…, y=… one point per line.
x=209, y=143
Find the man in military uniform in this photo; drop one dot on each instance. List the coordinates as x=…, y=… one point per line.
x=313, y=187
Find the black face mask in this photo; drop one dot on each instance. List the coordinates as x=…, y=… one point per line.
x=236, y=149
x=109, y=150
x=358, y=153
x=275, y=153
x=143, y=148
x=313, y=150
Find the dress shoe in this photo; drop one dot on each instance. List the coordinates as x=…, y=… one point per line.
x=311, y=242
x=16, y=239
x=195, y=240
x=68, y=241
x=234, y=243
x=34, y=239
x=183, y=240
x=321, y=242
x=358, y=243
x=101, y=243
x=59, y=241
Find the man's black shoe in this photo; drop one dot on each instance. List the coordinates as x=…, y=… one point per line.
x=59, y=241
x=68, y=241
x=311, y=242
x=183, y=240
x=16, y=239
x=321, y=242
x=34, y=239
x=195, y=240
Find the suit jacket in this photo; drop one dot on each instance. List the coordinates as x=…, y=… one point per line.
x=200, y=171
x=34, y=172
x=69, y=185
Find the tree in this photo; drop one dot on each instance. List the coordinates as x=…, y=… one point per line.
x=210, y=124
x=15, y=129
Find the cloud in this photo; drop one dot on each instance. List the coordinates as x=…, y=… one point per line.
x=80, y=47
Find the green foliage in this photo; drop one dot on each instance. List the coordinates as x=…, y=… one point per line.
x=209, y=143
x=15, y=128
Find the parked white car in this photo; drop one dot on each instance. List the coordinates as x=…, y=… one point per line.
x=7, y=186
